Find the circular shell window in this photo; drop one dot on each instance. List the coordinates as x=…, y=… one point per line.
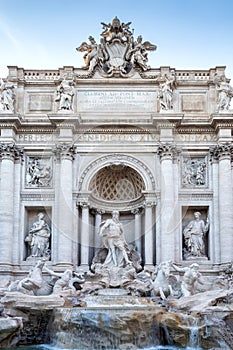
x=117, y=182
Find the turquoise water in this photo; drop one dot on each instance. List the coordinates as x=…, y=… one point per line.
x=51, y=347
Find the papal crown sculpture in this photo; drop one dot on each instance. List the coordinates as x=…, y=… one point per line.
x=118, y=50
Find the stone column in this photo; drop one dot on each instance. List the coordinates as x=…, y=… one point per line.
x=98, y=219
x=215, y=251
x=64, y=153
x=85, y=235
x=8, y=152
x=137, y=228
x=167, y=152
x=149, y=233
x=223, y=153
x=18, y=234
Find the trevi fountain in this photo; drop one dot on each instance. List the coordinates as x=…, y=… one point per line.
x=116, y=208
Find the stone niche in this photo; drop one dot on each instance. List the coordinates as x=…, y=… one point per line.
x=194, y=247
x=31, y=218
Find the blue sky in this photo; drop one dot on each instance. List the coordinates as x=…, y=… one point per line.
x=189, y=34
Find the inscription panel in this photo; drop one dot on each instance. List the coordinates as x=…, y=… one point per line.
x=39, y=102
x=32, y=138
x=116, y=101
x=104, y=138
x=194, y=103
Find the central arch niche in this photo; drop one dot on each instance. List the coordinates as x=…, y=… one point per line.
x=117, y=183
x=117, y=186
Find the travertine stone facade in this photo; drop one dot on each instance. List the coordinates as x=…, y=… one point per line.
x=153, y=143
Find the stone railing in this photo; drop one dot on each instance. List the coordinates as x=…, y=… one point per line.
x=41, y=75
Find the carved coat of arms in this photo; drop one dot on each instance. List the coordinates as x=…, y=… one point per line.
x=118, y=52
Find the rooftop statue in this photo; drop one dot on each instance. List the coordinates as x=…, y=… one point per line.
x=7, y=96
x=118, y=51
x=225, y=93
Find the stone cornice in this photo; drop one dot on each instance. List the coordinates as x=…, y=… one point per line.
x=208, y=195
x=194, y=130
x=37, y=196
x=167, y=119
x=222, y=120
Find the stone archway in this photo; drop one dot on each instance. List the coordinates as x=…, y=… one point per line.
x=124, y=183
x=117, y=159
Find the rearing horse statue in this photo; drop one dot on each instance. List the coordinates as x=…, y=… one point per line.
x=161, y=286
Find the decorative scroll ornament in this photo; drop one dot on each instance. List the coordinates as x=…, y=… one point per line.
x=118, y=51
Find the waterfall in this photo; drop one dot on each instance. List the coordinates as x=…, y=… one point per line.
x=194, y=341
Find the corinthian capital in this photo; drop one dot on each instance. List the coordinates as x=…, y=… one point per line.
x=10, y=151
x=64, y=151
x=222, y=150
x=167, y=150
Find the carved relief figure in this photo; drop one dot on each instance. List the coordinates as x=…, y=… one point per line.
x=194, y=172
x=112, y=234
x=194, y=234
x=38, y=238
x=39, y=173
x=65, y=94
x=7, y=96
x=165, y=93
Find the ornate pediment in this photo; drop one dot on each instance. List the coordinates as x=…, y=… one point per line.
x=118, y=51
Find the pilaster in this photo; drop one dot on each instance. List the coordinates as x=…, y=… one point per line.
x=9, y=152
x=149, y=231
x=64, y=155
x=223, y=152
x=167, y=152
x=85, y=233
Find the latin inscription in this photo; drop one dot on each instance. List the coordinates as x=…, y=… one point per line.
x=35, y=138
x=116, y=101
x=195, y=137
x=116, y=138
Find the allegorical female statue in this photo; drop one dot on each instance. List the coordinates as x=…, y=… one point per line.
x=38, y=238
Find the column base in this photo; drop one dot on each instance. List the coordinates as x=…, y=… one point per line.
x=149, y=267
x=84, y=267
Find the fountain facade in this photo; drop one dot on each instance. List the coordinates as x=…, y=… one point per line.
x=122, y=189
